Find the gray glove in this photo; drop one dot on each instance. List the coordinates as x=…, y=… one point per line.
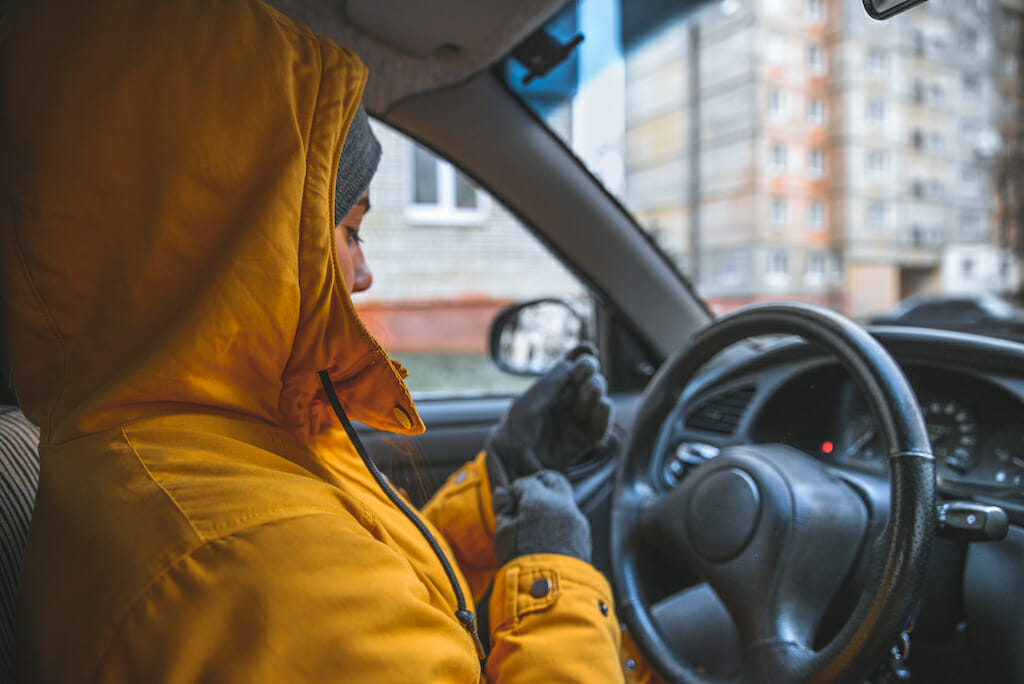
x=538, y=514
x=553, y=424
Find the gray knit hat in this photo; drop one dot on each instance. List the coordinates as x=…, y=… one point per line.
x=357, y=165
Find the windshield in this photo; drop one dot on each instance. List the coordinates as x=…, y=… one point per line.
x=799, y=150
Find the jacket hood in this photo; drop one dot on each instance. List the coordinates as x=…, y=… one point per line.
x=166, y=196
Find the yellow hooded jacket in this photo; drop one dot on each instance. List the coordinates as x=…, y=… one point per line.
x=170, y=281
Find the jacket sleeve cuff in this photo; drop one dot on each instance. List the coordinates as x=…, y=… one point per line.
x=462, y=511
x=553, y=614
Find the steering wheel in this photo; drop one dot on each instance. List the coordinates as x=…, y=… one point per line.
x=769, y=528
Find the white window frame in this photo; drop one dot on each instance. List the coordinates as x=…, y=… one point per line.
x=778, y=213
x=837, y=267
x=878, y=62
x=778, y=103
x=816, y=110
x=877, y=111
x=877, y=163
x=444, y=211
x=816, y=163
x=778, y=157
x=816, y=216
x=971, y=226
x=970, y=180
x=816, y=62
x=876, y=215
x=775, y=49
x=815, y=273
x=728, y=270
x=972, y=86
x=814, y=10
x=776, y=270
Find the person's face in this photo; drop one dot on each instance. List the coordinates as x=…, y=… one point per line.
x=350, y=251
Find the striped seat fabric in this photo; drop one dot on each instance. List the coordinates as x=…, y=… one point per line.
x=19, y=474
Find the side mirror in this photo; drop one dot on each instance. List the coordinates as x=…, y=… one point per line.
x=528, y=338
x=883, y=9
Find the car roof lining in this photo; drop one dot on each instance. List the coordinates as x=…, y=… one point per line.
x=413, y=48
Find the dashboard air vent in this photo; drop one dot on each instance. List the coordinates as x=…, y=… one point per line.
x=722, y=412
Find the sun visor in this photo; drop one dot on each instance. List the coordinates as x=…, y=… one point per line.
x=421, y=46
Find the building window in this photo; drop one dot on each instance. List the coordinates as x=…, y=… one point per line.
x=877, y=217
x=970, y=177
x=1009, y=65
x=838, y=266
x=777, y=215
x=936, y=141
x=876, y=111
x=728, y=270
x=778, y=267
x=917, y=91
x=972, y=86
x=937, y=95
x=778, y=103
x=878, y=62
x=815, y=111
x=815, y=267
x=967, y=268
x=778, y=158
x=917, y=236
x=816, y=163
x=443, y=195
x=969, y=41
x=816, y=216
x=917, y=139
x=813, y=10
x=970, y=226
x=970, y=133
x=919, y=42
x=815, y=59
x=1011, y=26
x=776, y=49
x=878, y=163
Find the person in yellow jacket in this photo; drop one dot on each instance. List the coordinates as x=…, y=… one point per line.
x=182, y=334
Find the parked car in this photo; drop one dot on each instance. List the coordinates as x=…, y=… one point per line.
x=981, y=314
x=766, y=512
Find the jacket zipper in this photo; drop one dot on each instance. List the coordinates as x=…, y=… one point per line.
x=462, y=613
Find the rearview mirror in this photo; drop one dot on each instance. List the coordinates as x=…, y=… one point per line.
x=883, y=9
x=528, y=338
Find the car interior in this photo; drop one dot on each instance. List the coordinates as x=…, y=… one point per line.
x=776, y=472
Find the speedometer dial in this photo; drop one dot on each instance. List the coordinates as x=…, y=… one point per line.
x=952, y=431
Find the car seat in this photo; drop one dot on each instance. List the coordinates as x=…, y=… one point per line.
x=19, y=476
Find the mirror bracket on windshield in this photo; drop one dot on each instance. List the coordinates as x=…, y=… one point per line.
x=883, y=9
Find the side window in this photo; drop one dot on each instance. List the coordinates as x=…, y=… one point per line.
x=446, y=258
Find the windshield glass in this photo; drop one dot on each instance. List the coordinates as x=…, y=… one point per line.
x=799, y=150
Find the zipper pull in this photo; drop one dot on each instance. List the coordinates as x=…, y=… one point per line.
x=468, y=621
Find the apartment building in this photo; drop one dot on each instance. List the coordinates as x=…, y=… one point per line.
x=806, y=152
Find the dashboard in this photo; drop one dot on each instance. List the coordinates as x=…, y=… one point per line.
x=970, y=391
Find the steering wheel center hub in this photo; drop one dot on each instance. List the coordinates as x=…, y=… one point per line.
x=723, y=514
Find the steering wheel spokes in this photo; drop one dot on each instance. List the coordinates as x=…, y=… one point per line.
x=770, y=529
x=772, y=532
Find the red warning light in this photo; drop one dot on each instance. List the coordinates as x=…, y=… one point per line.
x=827, y=447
